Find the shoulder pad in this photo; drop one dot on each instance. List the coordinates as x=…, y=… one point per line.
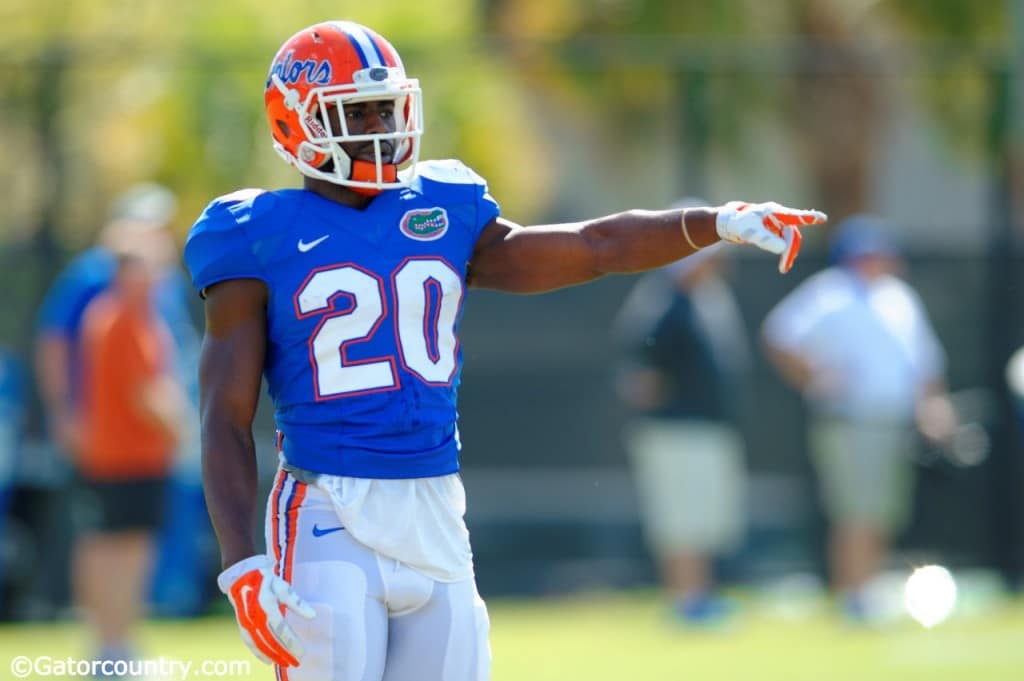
x=460, y=190
x=236, y=208
x=238, y=196
x=449, y=171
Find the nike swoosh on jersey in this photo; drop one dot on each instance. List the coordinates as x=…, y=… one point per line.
x=304, y=247
x=317, y=532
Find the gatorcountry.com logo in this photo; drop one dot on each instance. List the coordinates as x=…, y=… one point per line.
x=425, y=224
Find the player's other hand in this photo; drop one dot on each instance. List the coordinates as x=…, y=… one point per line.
x=260, y=598
x=769, y=226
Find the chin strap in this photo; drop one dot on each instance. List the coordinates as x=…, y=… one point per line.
x=364, y=171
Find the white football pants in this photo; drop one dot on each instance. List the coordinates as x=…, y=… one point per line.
x=376, y=619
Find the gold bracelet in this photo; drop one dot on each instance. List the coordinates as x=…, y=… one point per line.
x=686, y=233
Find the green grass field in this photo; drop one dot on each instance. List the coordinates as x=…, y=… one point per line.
x=626, y=637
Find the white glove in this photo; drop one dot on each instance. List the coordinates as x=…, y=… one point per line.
x=769, y=226
x=259, y=598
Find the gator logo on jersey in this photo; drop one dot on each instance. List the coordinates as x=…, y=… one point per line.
x=425, y=224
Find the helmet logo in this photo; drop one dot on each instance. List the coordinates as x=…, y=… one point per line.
x=315, y=127
x=378, y=73
x=425, y=224
x=291, y=70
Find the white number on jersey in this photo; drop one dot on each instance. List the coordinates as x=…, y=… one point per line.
x=427, y=294
x=413, y=283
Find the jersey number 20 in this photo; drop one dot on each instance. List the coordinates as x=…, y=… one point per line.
x=427, y=294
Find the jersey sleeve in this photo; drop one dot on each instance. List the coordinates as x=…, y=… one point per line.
x=218, y=247
x=459, y=180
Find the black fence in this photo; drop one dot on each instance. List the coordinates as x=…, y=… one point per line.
x=551, y=501
x=541, y=429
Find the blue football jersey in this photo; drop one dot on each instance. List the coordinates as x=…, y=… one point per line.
x=363, y=358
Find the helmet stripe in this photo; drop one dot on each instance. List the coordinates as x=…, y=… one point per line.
x=368, y=53
x=376, y=48
x=365, y=39
x=357, y=48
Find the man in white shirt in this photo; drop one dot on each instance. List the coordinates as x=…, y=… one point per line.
x=855, y=339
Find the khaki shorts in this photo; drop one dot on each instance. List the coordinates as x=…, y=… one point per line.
x=864, y=470
x=691, y=481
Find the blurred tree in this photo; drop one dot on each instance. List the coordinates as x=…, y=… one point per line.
x=172, y=92
x=961, y=43
x=835, y=105
x=812, y=68
x=639, y=78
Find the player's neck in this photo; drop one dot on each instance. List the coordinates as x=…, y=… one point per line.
x=337, y=193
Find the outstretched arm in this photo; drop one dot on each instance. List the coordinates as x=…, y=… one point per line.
x=518, y=259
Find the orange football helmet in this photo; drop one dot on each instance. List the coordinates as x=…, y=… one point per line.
x=326, y=66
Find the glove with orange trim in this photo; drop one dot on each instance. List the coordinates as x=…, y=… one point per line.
x=769, y=226
x=259, y=598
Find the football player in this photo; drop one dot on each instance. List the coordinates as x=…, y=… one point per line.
x=347, y=295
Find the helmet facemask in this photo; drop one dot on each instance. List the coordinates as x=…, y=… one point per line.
x=321, y=156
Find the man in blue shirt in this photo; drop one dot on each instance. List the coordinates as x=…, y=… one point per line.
x=138, y=220
x=347, y=295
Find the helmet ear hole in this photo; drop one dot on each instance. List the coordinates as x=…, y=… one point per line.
x=283, y=127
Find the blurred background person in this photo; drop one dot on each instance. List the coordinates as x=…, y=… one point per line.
x=131, y=419
x=856, y=341
x=140, y=221
x=685, y=358
x=12, y=414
